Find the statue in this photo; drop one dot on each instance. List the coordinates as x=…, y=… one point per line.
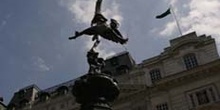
x=95, y=63
x=97, y=89
x=99, y=27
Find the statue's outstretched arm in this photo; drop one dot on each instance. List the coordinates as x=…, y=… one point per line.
x=98, y=7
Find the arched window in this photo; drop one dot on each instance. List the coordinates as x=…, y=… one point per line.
x=190, y=61
x=62, y=90
x=155, y=75
x=44, y=96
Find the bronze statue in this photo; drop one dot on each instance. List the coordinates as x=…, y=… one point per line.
x=100, y=27
x=95, y=63
x=96, y=90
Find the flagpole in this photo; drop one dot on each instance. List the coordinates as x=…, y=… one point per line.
x=174, y=17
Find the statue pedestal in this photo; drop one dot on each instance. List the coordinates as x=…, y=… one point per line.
x=95, y=91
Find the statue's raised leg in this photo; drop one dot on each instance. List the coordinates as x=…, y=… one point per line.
x=88, y=31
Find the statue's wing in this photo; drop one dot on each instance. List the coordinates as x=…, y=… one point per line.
x=113, y=36
x=98, y=7
x=98, y=17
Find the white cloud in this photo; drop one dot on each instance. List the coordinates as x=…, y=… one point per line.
x=104, y=48
x=168, y=30
x=201, y=16
x=113, y=11
x=4, y=21
x=39, y=64
x=2, y=24
x=83, y=11
x=172, y=2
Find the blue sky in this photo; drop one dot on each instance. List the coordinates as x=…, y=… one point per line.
x=34, y=45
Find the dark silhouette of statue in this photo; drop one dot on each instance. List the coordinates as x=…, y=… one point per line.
x=95, y=63
x=99, y=27
x=96, y=90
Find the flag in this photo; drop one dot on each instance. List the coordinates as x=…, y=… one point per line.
x=164, y=14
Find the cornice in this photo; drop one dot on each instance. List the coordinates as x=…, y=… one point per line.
x=178, y=79
x=176, y=44
x=188, y=76
x=139, y=94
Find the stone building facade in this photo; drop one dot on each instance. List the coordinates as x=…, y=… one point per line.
x=185, y=76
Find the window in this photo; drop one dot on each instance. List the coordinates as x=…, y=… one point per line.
x=155, y=75
x=62, y=90
x=44, y=96
x=163, y=106
x=202, y=96
x=190, y=61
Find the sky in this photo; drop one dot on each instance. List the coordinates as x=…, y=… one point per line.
x=34, y=45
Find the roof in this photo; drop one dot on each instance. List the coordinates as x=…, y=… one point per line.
x=30, y=86
x=54, y=88
x=117, y=54
x=176, y=43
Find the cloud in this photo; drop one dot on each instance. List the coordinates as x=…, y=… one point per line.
x=201, y=16
x=169, y=28
x=39, y=64
x=104, y=48
x=113, y=11
x=83, y=11
x=4, y=21
x=172, y=2
x=2, y=24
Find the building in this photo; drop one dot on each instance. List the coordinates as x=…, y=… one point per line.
x=185, y=76
x=2, y=105
x=118, y=64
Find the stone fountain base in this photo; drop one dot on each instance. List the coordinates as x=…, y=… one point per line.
x=95, y=91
